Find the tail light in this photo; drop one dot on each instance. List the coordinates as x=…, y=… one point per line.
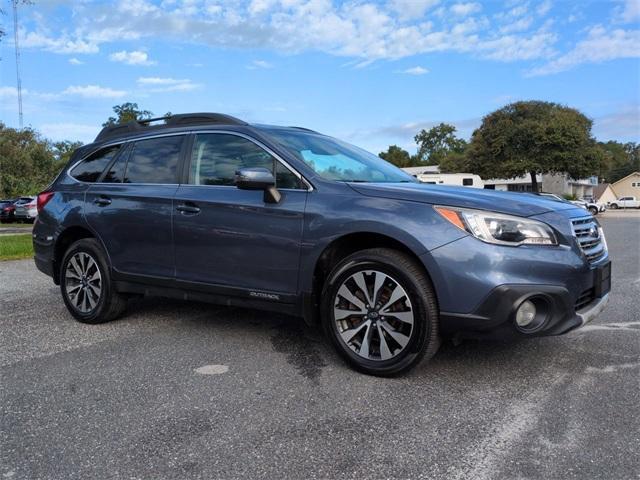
x=43, y=199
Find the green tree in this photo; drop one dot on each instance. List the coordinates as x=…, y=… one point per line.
x=454, y=162
x=534, y=137
x=27, y=162
x=63, y=150
x=620, y=160
x=438, y=142
x=127, y=112
x=398, y=156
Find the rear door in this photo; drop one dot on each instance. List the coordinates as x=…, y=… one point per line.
x=229, y=237
x=130, y=207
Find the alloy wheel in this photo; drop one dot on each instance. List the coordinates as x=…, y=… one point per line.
x=374, y=315
x=83, y=282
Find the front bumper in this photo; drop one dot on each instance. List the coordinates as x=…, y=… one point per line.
x=494, y=319
x=592, y=310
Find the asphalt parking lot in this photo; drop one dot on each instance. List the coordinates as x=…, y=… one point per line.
x=182, y=390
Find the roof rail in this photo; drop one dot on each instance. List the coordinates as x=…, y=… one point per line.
x=179, y=120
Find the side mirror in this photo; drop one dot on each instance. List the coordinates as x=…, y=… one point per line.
x=258, y=178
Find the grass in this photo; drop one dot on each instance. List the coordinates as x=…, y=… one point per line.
x=15, y=247
x=15, y=224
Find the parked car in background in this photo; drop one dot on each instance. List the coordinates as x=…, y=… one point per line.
x=586, y=203
x=625, y=202
x=27, y=209
x=589, y=204
x=208, y=207
x=7, y=211
x=552, y=196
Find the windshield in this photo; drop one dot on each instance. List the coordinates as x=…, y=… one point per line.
x=333, y=159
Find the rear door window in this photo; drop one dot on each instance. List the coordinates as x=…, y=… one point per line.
x=115, y=172
x=154, y=160
x=90, y=169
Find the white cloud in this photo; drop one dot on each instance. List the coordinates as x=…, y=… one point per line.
x=621, y=124
x=160, y=84
x=415, y=71
x=463, y=9
x=517, y=26
x=628, y=12
x=84, y=91
x=75, y=61
x=64, y=44
x=363, y=30
x=256, y=64
x=510, y=48
x=411, y=9
x=135, y=57
x=66, y=131
x=259, y=6
x=10, y=93
x=544, y=8
x=600, y=45
x=93, y=91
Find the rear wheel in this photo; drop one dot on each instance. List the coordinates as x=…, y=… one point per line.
x=85, y=283
x=379, y=311
x=593, y=210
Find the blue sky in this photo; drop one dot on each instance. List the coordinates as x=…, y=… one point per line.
x=370, y=72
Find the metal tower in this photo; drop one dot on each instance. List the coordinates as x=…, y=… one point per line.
x=18, y=76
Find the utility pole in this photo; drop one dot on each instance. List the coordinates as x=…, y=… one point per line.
x=18, y=76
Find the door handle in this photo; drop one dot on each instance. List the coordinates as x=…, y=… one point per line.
x=188, y=208
x=102, y=201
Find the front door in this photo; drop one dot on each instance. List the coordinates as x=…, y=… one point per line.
x=229, y=237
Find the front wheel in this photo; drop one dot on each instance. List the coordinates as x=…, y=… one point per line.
x=379, y=311
x=593, y=210
x=614, y=206
x=85, y=283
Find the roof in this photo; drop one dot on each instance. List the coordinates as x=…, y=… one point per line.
x=623, y=179
x=422, y=169
x=137, y=127
x=171, y=121
x=598, y=190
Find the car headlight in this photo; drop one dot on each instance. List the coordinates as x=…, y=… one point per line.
x=498, y=228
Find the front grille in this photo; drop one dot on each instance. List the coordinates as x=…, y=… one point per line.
x=589, y=237
x=585, y=298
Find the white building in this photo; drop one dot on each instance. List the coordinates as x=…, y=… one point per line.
x=517, y=184
x=560, y=184
x=458, y=179
x=415, y=171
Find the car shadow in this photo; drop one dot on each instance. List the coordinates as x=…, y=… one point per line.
x=309, y=353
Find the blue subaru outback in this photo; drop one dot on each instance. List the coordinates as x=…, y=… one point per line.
x=210, y=208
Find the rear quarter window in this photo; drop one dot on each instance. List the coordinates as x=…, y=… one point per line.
x=90, y=169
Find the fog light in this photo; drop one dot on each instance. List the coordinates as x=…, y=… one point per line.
x=525, y=314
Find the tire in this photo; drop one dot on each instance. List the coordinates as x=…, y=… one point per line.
x=85, y=272
x=614, y=206
x=593, y=210
x=386, y=326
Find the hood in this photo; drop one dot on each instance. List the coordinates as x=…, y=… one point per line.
x=514, y=203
